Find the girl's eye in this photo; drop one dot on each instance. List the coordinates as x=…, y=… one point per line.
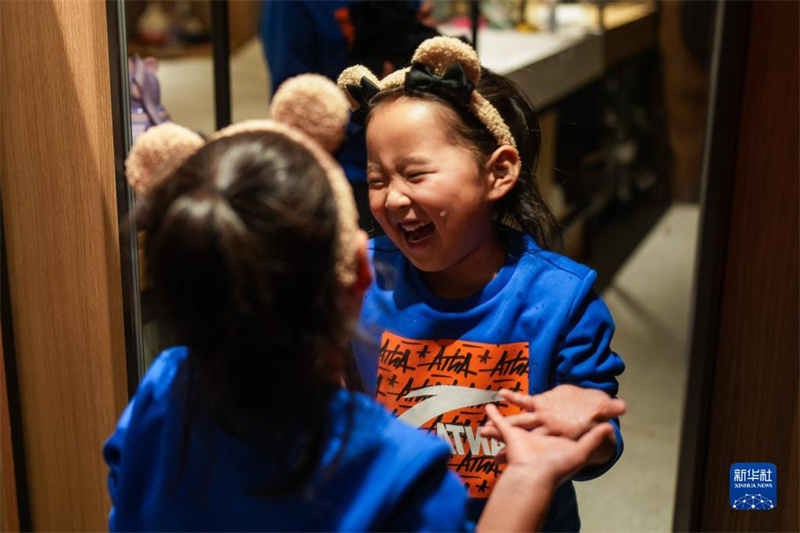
x=374, y=183
x=416, y=175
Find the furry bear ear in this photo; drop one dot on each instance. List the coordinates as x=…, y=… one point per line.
x=354, y=76
x=158, y=152
x=312, y=104
x=394, y=79
x=440, y=53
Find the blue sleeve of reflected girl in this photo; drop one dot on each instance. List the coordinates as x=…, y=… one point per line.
x=586, y=359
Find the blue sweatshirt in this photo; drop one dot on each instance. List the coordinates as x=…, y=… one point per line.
x=389, y=477
x=435, y=363
x=302, y=36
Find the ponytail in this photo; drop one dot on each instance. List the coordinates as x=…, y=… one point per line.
x=240, y=250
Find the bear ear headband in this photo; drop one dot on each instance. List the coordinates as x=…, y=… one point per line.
x=445, y=66
x=308, y=109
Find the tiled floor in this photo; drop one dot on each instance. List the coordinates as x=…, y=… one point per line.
x=649, y=297
x=187, y=88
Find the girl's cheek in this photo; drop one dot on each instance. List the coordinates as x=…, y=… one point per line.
x=376, y=202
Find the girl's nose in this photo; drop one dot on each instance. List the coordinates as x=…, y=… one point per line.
x=397, y=199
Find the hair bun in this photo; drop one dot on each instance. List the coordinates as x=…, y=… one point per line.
x=314, y=105
x=440, y=53
x=158, y=152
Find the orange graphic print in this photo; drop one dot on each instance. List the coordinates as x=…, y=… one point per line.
x=441, y=386
x=342, y=16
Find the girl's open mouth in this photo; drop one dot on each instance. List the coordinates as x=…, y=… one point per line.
x=418, y=232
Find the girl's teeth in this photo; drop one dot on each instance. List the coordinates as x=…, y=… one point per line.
x=418, y=232
x=411, y=227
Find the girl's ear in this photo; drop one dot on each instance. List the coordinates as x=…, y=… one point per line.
x=502, y=171
x=364, y=271
x=354, y=294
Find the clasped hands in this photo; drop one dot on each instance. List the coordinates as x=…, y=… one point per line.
x=560, y=432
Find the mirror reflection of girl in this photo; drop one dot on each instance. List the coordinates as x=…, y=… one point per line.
x=253, y=252
x=468, y=298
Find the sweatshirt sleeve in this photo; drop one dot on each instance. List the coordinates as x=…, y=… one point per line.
x=436, y=501
x=585, y=357
x=122, y=450
x=288, y=34
x=112, y=453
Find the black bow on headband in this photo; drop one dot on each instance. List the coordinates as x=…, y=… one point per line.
x=362, y=94
x=453, y=86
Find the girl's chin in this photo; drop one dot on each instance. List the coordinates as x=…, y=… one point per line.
x=423, y=262
x=418, y=254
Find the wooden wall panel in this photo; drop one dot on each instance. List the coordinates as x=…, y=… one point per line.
x=755, y=394
x=60, y=221
x=9, y=517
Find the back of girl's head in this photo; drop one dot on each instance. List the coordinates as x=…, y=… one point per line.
x=524, y=206
x=240, y=250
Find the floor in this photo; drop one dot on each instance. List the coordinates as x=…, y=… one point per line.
x=649, y=296
x=187, y=88
x=650, y=299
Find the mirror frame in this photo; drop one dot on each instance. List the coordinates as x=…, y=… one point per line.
x=126, y=200
x=727, y=75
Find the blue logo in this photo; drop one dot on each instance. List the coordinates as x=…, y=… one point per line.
x=754, y=486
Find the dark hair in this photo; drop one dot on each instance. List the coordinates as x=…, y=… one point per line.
x=240, y=251
x=524, y=205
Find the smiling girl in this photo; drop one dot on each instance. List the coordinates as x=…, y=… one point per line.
x=246, y=425
x=468, y=299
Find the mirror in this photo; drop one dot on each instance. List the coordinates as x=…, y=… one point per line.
x=622, y=92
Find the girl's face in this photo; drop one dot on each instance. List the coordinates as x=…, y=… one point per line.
x=429, y=195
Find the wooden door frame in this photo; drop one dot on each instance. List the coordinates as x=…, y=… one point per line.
x=725, y=92
x=60, y=223
x=14, y=504
x=752, y=92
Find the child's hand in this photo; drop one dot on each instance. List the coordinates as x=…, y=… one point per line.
x=565, y=411
x=547, y=458
x=538, y=463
